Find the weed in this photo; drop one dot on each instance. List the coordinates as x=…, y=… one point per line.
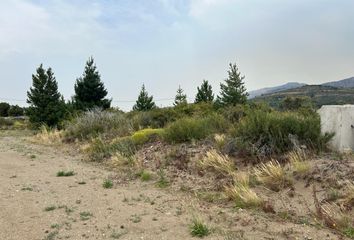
x=85, y=216
x=333, y=195
x=162, y=182
x=117, y=234
x=65, y=174
x=27, y=189
x=199, y=229
x=81, y=183
x=50, y=208
x=107, y=183
x=135, y=218
x=145, y=176
x=56, y=226
x=32, y=156
x=51, y=236
x=349, y=232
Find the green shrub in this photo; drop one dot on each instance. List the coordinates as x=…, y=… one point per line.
x=95, y=122
x=187, y=129
x=267, y=133
x=145, y=135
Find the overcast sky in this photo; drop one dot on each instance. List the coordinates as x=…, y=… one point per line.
x=166, y=43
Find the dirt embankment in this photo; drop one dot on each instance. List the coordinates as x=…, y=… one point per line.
x=36, y=204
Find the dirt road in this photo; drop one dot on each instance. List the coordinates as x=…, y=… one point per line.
x=36, y=204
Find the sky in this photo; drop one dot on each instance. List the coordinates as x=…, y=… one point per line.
x=167, y=43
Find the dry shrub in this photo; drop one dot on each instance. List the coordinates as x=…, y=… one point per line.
x=222, y=164
x=243, y=196
x=299, y=163
x=48, y=136
x=272, y=175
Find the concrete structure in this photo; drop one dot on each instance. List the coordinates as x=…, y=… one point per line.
x=339, y=119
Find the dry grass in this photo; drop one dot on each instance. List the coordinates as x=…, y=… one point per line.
x=243, y=196
x=48, y=137
x=220, y=141
x=349, y=196
x=299, y=163
x=242, y=178
x=220, y=163
x=272, y=175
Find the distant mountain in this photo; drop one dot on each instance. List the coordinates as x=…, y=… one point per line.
x=345, y=83
x=319, y=94
x=269, y=90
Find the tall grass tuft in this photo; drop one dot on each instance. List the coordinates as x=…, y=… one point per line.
x=48, y=136
x=220, y=163
x=243, y=196
x=299, y=163
x=272, y=175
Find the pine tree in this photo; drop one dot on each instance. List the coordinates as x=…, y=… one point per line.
x=180, y=98
x=233, y=91
x=90, y=92
x=47, y=105
x=204, y=93
x=144, y=102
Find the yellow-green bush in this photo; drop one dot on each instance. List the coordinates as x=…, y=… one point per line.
x=146, y=135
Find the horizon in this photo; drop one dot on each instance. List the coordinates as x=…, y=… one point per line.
x=167, y=43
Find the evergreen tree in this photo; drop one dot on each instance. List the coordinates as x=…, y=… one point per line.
x=204, y=93
x=144, y=102
x=47, y=105
x=90, y=92
x=180, y=98
x=233, y=91
x=4, y=109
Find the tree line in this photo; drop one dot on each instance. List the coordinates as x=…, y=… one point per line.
x=47, y=104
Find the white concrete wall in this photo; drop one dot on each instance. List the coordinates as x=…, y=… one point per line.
x=339, y=119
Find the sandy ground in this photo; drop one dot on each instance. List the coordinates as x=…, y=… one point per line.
x=36, y=204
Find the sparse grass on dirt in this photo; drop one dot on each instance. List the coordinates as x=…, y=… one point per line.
x=65, y=173
x=84, y=216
